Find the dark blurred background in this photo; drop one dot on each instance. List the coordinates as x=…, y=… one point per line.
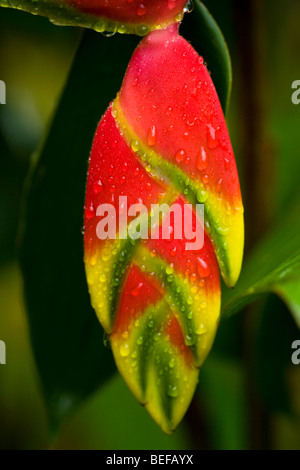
x=249, y=392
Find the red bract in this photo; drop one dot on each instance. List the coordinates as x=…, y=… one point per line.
x=163, y=141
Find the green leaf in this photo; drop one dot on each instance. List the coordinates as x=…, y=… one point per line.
x=274, y=266
x=201, y=29
x=66, y=336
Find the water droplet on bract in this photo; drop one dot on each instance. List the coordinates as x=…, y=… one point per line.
x=173, y=391
x=226, y=164
x=151, y=136
x=172, y=363
x=200, y=329
x=180, y=156
x=173, y=252
x=140, y=341
x=202, y=195
x=124, y=350
x=135, y=292
x=98, y=187
x=109, y=34
x=203, y=268
x=205, y=179
x=169, y=270
x=142, y=30
x=202, y=162
x=90, y=212
x=189, y=7
x=135, y=145
x=122, y=28
x=189, y=340
x=212, y=141
x=141, y=10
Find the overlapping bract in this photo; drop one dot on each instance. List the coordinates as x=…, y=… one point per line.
x=163, y=141
x=109, y=16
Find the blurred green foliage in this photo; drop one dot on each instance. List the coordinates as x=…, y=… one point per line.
x=248, y=383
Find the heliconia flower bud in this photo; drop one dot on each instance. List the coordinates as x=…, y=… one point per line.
x=162, y=144
x=109, y=16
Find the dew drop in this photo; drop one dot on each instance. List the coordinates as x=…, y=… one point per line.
x=173, y=252
x=212, y=141
x=141, y=10
x=135, y=292
x=203, y=268
x=180, y=156
x=169, y=270
x=135, y=145
x=200, y=329
x=202, y=162
x=122, y=28
x=142, y=30
x=172, y=363
x=202, y=196
x=151, y=136
x=226, y=164
x=172, y=391
x=189, y=340
x=124, y=350
x=189, y=7
x=90, y=212
x=98, y=187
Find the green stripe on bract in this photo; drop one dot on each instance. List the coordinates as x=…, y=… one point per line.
x=154, y=369
x=122, y=263
x=124, y=255
x=147, y=333
x=172, y=387
x=178, y=296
